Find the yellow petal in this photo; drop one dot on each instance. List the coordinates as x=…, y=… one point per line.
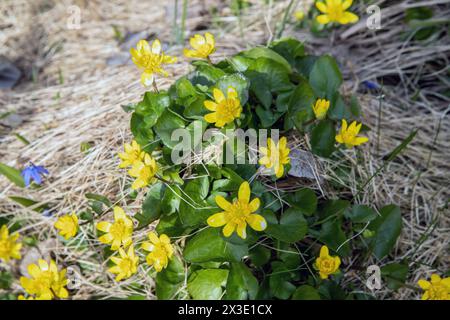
x=153, y=238
x=232, y=93
x=147, y=79
x=218, y=95
x=119, y=214
x=104, y=226
x=323, y=19
x=106, y=239
x=210, y=105
x=211, y=117
x=210, y=39
x=257, y=222
x=346, y=4
x=156, y=47
x=344, y=125
x=241, y=230
x=254, y=205
x=143, y=45
x=244, y=192
x=321, y=6
x=324, y=252
x=360, y=140
x=424, y=284
x=217, y=220
x=164, y=239
x=228, y=229
x=222, y=203
x=279, y=170
x=348, y=17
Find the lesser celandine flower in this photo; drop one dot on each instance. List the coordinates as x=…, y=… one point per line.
x=225, y=109
x=160, y=250
x=275, y=156
x=9, y=247
x=335, y=11
x=320, y=108
x=150, y=60
x=144, y=172
x=131, y=155
x=67, y=226
x=238, y=214
x=349, y=134
x=46, y=281
x=117, y=233
x=202, y=46
x=327, y=264
x=299, y=15
x=126, y=264
x=436, y=289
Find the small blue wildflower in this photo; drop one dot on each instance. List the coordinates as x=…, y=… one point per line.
x=371, y=85
x=33, y=172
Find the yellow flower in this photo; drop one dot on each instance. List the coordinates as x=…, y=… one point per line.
x=144, y=172
x=22, y=297
x=126, y=265
x=327, y=264
x=46, y=281
x=437, y=289
x=203, y=46
x=349, y=134
x=67, y=225
x=117, y=233
x=335, y=11
x=225, y=109
x=321, y=108
x=150, y=60
x=9, y=247
x=275, y=156
x=236, y=215
x=132, y=154
x=160, y=251
x=299, y=15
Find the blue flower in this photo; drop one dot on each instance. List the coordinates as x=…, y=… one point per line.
x=371, y=85
x=33, y=172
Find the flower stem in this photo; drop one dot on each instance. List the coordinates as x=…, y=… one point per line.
x=155, y=87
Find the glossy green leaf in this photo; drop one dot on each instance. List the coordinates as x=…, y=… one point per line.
x=12, y=174
x=306, y=292
x=387, y=228
x=241, y=283
x=207, y=284
x=292, y=226
x=323, y=138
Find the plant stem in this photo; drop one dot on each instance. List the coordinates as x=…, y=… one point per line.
x=285, y=17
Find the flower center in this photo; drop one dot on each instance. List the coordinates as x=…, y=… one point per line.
x=228, y=109
x=151, y=62
x=119, y=230
x=5, y=247
x=126, y=264
x=335, y=12
x=327, y=265
x=437, y=292
x=239, y=212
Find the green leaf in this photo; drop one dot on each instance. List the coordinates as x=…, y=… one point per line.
x=171, y=200
x=260, y=87
x=289, y=48
x=305, y=200
x=142, y=133
x=338, y=110
x=292, y=226
x=205, y=74
x=238, y=81
x=207, y=284
x=300, y=104
x=194, y=210
x=152, y=107
x=259, y=255
x=332, y=235
x=208, y=245
x=279, y=283
x=12, y=174
x=325, y=77
x=167, y=123
x=26, y=202
x=99, y=198
x=387, y=228
x=395, y=275
x=6, y=280
x=394, y=153
x=267, y=117
x=361, y=214
x=276, y=75
x=323, y=138
x=306, y=292
x=266, y=53
x=170, y=279
x=241, y=284
x=171, y=225
x=151, y=207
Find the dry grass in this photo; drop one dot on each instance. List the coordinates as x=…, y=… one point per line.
x=85, y=108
